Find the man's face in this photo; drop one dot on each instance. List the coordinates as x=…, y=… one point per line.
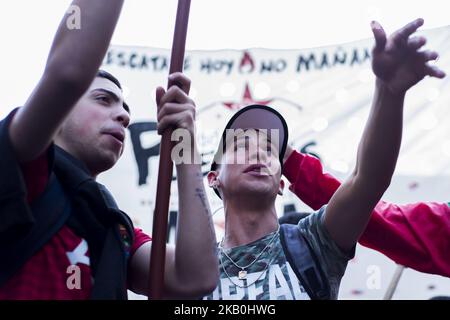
x=94, y=132
x=251, y=165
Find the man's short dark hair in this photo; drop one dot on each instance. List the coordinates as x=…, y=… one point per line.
x=106, y=75
x=109, y=76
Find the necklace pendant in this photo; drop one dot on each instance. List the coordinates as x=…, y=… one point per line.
x=242, y=275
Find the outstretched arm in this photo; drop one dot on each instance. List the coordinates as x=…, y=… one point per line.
x=72, y=64
x=398, y=65
x=308, y=180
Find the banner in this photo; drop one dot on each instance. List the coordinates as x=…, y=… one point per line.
x=324, y=94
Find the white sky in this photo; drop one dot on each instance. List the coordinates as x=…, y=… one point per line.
x=27, y=28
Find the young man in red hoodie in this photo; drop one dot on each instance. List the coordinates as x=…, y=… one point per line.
x=414, y=235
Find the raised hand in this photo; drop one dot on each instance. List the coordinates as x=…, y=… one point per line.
x=397, y=61
x=175, y=108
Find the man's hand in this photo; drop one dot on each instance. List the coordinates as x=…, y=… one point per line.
x=175, y=108
x=397, y=61
x=191, y=267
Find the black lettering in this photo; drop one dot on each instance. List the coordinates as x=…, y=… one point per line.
x=121, y=59
x=306, y=63
x=355, y=58
x=229, y=64
x=367, y=55
x=133, y=57
x=187, y=63
x=142, y=155
x=339, y=57
x=109, y=57
x=144, y=63
x=206, y=65
x=324, y=62
x=266, y=66
x=164, y=64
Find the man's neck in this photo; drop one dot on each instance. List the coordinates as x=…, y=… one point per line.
x=245, y=223
x=74, y=158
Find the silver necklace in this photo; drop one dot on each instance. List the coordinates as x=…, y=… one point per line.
x=248, y=284
x=242, y=274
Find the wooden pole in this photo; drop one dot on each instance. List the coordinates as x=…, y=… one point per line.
x=394, y=282
x=159, y=235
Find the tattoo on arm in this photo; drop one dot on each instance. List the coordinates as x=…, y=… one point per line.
x=200, y=193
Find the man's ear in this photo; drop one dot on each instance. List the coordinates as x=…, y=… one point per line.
x=58, y=134
x=281, y=187
x=213, y=181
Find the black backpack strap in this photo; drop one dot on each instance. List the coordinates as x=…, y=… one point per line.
x=121, y=217
x=51, y=211
x=304, y=263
